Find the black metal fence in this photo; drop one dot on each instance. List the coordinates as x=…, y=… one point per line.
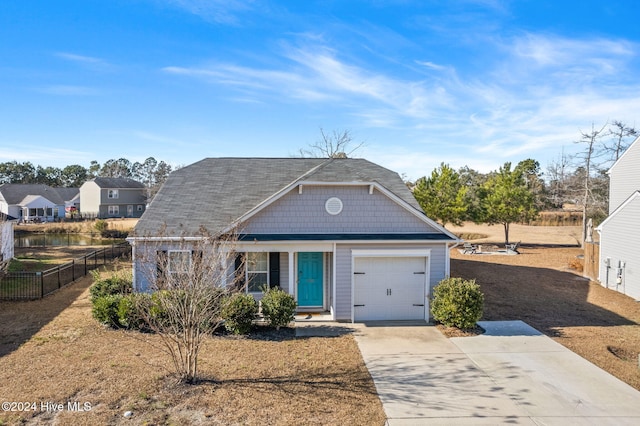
x=36, y=285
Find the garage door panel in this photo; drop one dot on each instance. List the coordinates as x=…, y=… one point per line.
x=389, y=288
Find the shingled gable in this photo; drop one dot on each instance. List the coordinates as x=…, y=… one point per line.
x=14, y=193
x=216, y=192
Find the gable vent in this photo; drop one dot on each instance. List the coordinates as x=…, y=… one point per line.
x=333, y=206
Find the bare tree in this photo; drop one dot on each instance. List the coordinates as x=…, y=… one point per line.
x=337, y=144
x=592, y=150
x=190, y=278
x=619, y=133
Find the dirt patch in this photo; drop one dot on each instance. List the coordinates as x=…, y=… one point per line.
x=51, y=350
x=539, y=288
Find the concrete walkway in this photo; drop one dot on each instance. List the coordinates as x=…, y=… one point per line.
x=512, y=374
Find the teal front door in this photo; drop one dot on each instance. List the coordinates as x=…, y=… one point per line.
x=310, y=282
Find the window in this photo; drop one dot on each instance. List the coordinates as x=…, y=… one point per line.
x=140, y=207
x=257, y=271
x=114, y=210
x=179, y=261
x=112, y=193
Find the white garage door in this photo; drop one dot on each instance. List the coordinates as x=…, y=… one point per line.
x=389, y=288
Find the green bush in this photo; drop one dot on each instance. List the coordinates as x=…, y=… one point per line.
x=457, y=303
x=121, y=282
x=101, y=225
x=130, y=311
x=238, y=313
x=278, y=307
x=105, y=309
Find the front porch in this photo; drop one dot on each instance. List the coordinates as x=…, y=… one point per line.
x=307, y=273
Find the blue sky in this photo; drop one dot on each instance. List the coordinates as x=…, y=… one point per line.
x=469, y=82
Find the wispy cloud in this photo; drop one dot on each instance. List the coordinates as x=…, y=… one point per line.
x=40, y=154
x=68, y=90
x=86, y=61
x=216, y=11
x=532, y=94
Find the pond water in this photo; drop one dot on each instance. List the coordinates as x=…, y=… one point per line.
x=38, y=240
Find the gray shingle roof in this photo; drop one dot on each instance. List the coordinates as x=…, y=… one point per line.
x=116, y=183
x=67, y=194
x=14, y=193
x=215, y=192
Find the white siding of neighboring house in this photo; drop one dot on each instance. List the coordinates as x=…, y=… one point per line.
x=625, y=176
x=620, y=234
x=6, y=240
x=90, y=198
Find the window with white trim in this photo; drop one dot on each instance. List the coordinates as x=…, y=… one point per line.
x=179, y=261
x=114, y=210
x=257, y=271
x=112, y=193
x=140, y=207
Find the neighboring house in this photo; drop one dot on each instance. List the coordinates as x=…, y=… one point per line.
x=112, y=197
x=343, y=236
x=71, y=198
x=34, y=202
x=620, y=231
x=6, y=239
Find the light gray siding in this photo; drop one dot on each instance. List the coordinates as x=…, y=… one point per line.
x=361, y=213
x=284, y=272
x=625, y=176
x=618, y=242
x=343, y=296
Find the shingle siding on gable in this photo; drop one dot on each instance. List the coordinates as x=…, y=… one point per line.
x=624, y=177
x=618, y=241
x=362, y=213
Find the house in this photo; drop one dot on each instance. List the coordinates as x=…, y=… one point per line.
x=345, y=237
x=112, y=197
x=619, y=267
x=34, y=202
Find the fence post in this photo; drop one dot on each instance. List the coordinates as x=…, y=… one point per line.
x=41, y=285
x=58, y=277
x=85, y=264
x=73, y=269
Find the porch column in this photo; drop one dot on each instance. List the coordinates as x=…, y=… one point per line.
x=292, y=275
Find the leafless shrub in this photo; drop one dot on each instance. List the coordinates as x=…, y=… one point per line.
x=189, y=277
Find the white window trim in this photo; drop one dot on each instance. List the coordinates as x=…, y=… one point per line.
x=112, y=194
x=170, y=252
x=113, y=209
x=247, y=271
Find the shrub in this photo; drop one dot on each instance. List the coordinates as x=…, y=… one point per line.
x=129, y=311
x=278, y=307
x=457, y=303
x=101, y=225
x=238, y=313
x=121, y=282
x=105, y=309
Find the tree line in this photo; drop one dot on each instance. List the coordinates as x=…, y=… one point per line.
x=151, y=172
x=516, y=195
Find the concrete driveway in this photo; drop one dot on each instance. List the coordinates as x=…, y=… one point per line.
x=512, y=374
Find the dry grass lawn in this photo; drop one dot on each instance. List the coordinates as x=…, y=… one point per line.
x=52, y=350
